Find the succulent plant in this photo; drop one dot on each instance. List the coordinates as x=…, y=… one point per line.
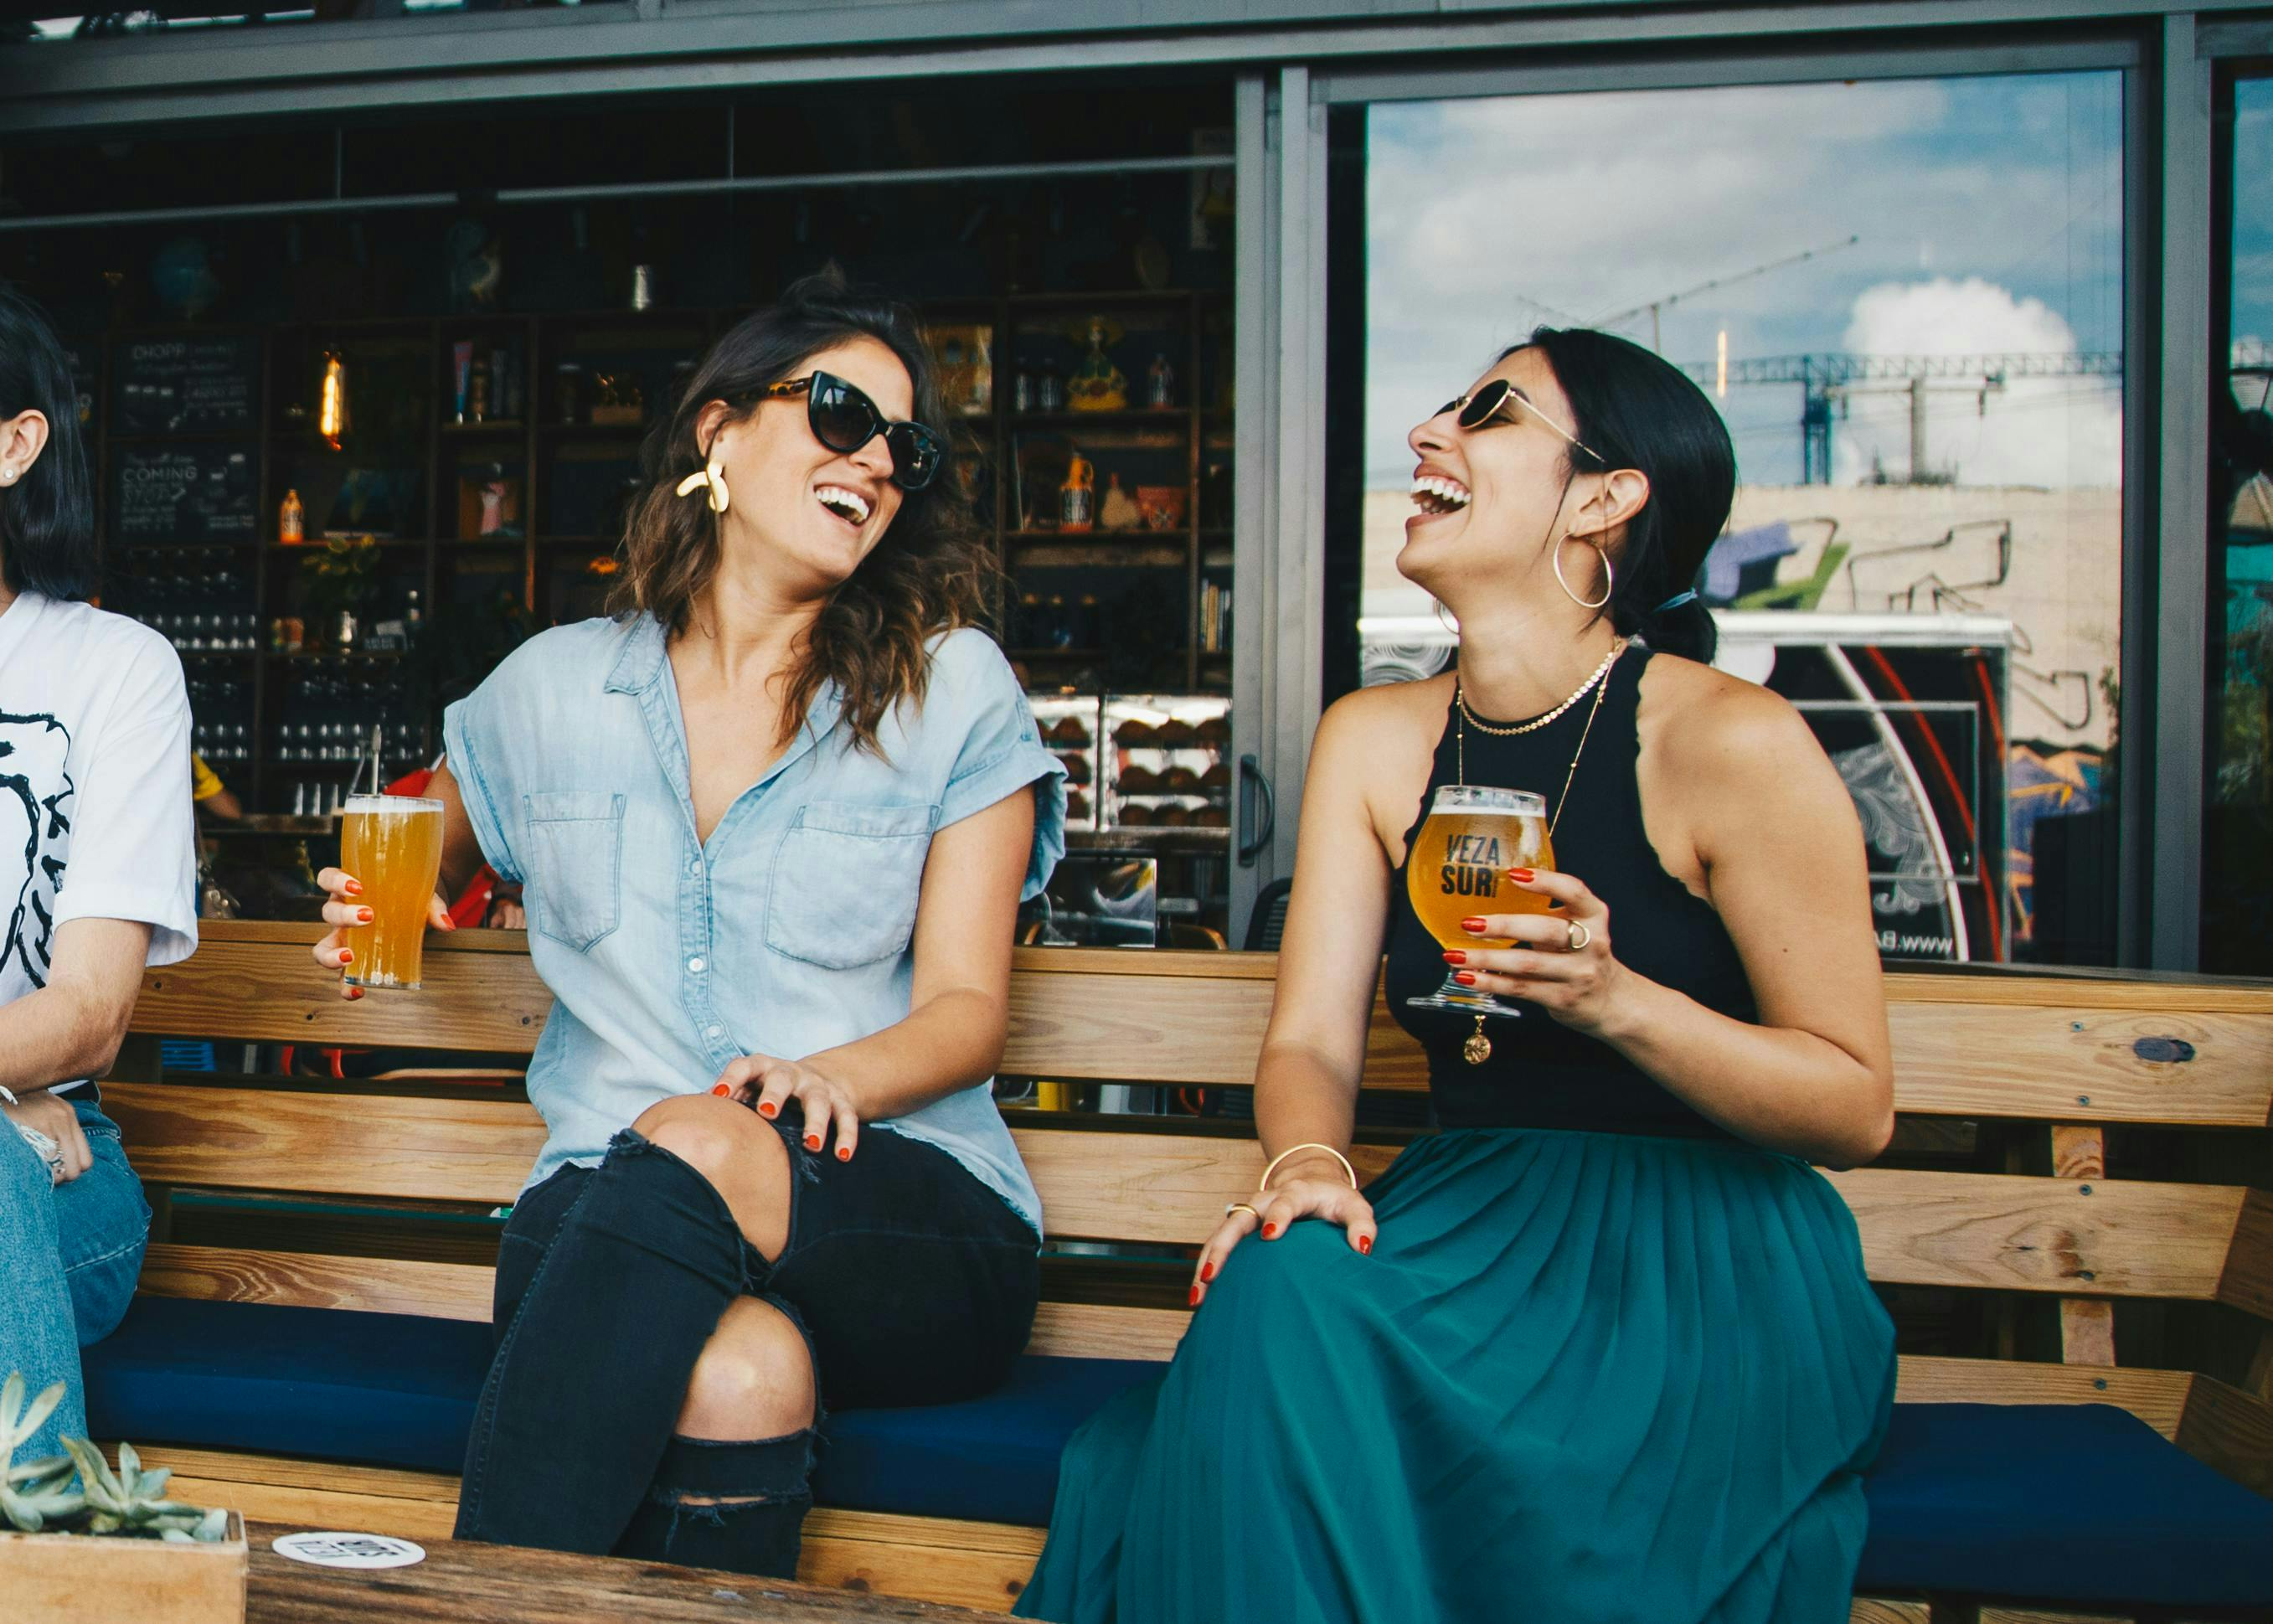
x=130, y=1501
x=33, y=1494
x=36, y=1496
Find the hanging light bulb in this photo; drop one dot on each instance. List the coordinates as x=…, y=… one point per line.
x=331, y=417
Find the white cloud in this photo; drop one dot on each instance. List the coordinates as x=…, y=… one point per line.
x=2050, y=432
x=1482, y=212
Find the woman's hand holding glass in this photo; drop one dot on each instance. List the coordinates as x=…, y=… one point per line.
x=344, y=909
x=1310, y=1186
x=768, y=1084
x=1563, y=963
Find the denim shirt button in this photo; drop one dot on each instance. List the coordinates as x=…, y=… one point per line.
x=694, y=965
x=714, y=1031
x=694, y=865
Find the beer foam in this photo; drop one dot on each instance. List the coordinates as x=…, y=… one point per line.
x=385, y=805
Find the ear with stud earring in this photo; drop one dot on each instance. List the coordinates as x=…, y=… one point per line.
x=7, y=476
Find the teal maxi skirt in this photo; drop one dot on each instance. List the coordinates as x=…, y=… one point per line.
x=1583, y=1377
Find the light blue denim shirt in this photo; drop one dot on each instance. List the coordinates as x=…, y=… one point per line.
x=788, y=933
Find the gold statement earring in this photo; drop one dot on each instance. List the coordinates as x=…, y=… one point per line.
x=715, y=478
x=1608, y=576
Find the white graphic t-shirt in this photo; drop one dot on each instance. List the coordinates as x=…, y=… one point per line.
x=95, y=820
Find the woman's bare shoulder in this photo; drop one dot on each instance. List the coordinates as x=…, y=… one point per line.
x=1708, y=722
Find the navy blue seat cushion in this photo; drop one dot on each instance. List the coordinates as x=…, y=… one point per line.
x=992, y=1459
x=2075, y=1502
x=1991, y=1500
x=385, y=1389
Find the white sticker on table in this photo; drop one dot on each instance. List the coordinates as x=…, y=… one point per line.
x=335, y=1550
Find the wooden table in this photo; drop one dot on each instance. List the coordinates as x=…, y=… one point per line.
x=507, y=1585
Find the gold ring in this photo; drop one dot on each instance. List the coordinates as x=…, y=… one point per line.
x=1241, y=1206
x=1579, y=935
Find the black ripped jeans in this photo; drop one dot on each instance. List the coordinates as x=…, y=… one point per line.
x=912, y=1283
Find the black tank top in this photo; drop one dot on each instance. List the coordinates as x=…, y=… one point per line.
x=1541, y=1074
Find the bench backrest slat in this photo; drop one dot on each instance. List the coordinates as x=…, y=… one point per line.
x=2055, y=1048
x=2110, y=1237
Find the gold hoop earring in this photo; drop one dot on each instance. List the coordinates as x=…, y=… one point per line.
x=1610, y=577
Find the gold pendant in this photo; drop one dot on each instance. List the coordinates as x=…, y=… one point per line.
x=1477, y=1049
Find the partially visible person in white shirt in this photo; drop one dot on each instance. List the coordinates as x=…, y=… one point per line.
x=98, y=878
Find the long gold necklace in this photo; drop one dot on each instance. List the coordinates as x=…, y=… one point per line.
x=1478, y=1048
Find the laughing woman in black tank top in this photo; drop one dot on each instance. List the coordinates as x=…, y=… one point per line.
x=1603, y=1348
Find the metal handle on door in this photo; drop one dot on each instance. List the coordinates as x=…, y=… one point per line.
x=1252, y=782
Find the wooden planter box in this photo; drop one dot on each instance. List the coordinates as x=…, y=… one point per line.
x=91, y=1579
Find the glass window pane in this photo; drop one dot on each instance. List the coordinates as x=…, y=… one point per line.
x=2238, y=877
x=1906, y=298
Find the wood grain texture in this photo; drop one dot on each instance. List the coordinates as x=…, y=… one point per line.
x=2157, y=1397
x=332, y=1142
x=510, y=1584
x=2004, y=1045
x=1883, y=1609
x=2087, y=1331
x=2108, y=1237
x=273, y=992
x=72, y=1579
x=1102, y=1331
x=2231, y=1430
x=2248, y=1283
x=318, y=1279
x=1992, y=1613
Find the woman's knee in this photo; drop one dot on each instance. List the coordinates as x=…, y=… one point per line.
x=755, y=1378
x=737, y=1152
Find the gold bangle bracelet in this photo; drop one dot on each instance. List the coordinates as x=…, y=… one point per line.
x=1348, y=1169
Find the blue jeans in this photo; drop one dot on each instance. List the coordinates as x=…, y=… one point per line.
x=69, y=1257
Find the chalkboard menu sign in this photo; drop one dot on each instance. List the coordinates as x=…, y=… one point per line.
x=187, y=386
x=201, y=493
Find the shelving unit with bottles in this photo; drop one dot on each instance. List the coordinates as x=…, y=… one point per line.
x=494, y=494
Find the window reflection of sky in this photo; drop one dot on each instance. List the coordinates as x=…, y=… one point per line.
x=1990, y=211
x=2252, y=211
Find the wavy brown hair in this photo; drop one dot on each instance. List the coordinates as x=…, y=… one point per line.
x=931, y=571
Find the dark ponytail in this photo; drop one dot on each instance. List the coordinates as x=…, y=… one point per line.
x=46, y=517
x=1641, y=411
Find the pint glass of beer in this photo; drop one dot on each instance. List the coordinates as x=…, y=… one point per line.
x=393, y=844
x=1457, y=869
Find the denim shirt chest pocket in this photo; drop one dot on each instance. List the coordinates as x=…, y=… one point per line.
x=846, y=880
x=574, y=862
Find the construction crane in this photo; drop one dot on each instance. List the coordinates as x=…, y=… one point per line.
x=1656, y=307
x=1829, y=379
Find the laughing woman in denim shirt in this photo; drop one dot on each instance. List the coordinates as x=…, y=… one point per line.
x=773, y=822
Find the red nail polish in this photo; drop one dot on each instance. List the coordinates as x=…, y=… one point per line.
x=1207, y=1271
x=844, y=1153
x=1194, y=1301
x=1467, y=978
x=767, y=1109
x=1521, y=877
x=722, y=1089
x=1472, y=924
x=812, y=1141
x=354, y=993
x=1269, y=1231
x=1365, y=1244
x=363, y=916
x=347, y=955
x=1455, y=956
x=354, y=888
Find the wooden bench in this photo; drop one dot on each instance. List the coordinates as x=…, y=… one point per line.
x=1975, y=1055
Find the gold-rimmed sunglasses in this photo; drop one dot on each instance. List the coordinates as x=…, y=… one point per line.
x=1488, y=402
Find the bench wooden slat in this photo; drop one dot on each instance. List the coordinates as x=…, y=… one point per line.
x=931, y=1559
x=327, y=1142
x=319, y=1279
x=2105, y=1238
x=1089, y=1330
x=2058, y=1047
x=2248, y=1280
